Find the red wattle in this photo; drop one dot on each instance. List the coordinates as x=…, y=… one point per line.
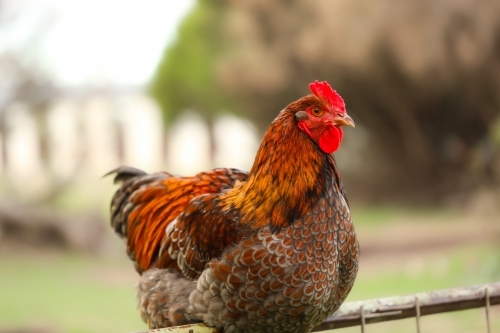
x=329, y=141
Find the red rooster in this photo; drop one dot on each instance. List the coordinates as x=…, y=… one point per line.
x=272, y=250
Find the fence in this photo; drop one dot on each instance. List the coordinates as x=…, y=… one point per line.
x=392, y=308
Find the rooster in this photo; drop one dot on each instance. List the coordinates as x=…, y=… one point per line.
x=272, y=250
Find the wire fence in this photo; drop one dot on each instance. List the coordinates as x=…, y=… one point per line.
x=399, y=307
x=378, y=310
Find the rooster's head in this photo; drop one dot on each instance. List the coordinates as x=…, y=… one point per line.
x=321, y=116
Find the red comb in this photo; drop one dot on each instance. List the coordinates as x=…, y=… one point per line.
x=323, y=91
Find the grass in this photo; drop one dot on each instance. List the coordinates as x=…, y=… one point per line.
x=375, y=216
x=461, y=267
x=67, y=292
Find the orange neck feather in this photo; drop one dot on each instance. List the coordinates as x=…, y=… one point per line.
x=286, y=178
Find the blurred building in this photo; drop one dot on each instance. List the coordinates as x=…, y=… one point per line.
x=87, y=132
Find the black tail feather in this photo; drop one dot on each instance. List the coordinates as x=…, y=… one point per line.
x=124, y=173
x=131, y=180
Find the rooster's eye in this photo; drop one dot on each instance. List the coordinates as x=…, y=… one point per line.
x=317, y=112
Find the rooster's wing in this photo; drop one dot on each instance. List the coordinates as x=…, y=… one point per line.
x=146, y=204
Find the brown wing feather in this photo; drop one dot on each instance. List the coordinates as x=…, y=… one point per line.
x=201, y=232
x=145, y=205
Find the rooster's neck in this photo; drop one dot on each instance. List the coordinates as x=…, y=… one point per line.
x=288, y=176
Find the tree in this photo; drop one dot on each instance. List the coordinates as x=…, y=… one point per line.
x=185, y=78
x=421, y=80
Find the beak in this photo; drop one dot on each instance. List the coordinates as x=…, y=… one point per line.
x=345, y=120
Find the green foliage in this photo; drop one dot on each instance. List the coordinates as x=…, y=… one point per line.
x=185, y=77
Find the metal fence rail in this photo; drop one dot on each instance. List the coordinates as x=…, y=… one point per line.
x=393, y=308
x=400, y=307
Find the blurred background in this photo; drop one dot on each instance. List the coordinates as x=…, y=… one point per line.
x=185, y=86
